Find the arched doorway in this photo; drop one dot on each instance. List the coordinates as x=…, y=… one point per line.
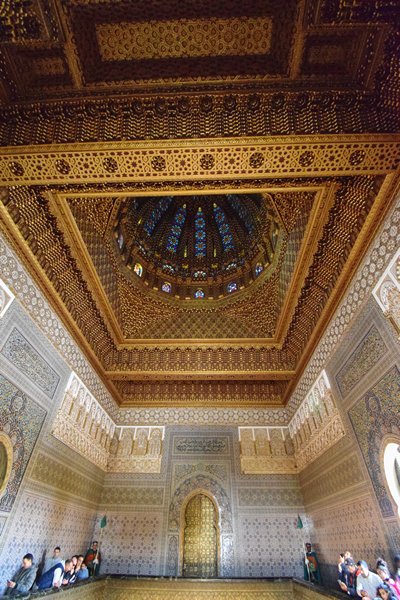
x=6, y=461
x=391, y=466
x=200, y=538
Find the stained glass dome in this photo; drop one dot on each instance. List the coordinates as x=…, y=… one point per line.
x=223, y=241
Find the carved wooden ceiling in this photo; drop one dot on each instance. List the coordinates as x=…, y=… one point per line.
x=113, y=102
x=54, y=47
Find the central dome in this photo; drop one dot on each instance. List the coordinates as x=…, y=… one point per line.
x=197, y=247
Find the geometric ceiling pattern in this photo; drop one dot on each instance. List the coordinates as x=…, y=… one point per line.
x=50, y=49
x=198, y=247
x=277, y=320
x=193, y=185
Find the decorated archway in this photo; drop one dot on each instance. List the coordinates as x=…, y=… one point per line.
x=214, y=491
x=390, y=466
x=200, y=536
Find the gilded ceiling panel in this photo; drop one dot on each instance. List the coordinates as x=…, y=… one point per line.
x=191, y=41
x=52, y=48
x=230, y=36
x=145, y=313
x=76, y=253
x=202, y=393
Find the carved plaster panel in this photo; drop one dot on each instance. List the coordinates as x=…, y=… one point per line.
x=136, y=450
x=317, y=424
x=83, y=425
x=315, y=427
x=266, y=450
x=27, y=359
x=21, y=420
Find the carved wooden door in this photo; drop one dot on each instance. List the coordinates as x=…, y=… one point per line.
x=200, y=538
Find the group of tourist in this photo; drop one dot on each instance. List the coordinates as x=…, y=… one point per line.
x=356, y=579
x=56, y=572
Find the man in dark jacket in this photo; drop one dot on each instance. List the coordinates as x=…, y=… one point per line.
x=23, y=578
x=348, y=581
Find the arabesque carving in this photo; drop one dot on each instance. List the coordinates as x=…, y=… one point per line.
x=315, y=427
x=136, y=450
x=266, y=450
x=154, y=117
x=83, y=425
x=140, y=40
x=290, y=156
x=317, y=424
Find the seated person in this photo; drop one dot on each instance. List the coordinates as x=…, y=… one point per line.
x=52, y=577
x=53, y=560
x=367, y=581
x=23, y=579
x=383, y=591
x=382, y=570
x=342, y=560
x=348, y=580
x=68, y=572
x=340, y=565
x=76, y=562
x=83, y=572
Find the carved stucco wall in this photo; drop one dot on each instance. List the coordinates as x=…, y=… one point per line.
x=52, y=495
x=257, y=514
x=344, y=490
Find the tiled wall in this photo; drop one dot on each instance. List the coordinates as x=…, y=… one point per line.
x=257, y=514
x=344, y=491
x=53, y=493
x=270, y=545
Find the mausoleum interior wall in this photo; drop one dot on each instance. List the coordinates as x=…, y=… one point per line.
x=53, y=492
x=346, y=499
x=257, y=513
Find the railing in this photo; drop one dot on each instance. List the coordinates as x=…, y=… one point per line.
x=120, y=587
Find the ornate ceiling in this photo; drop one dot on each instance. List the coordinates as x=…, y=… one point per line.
x=123, y=124
x=54, y=47
x=198, y=247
